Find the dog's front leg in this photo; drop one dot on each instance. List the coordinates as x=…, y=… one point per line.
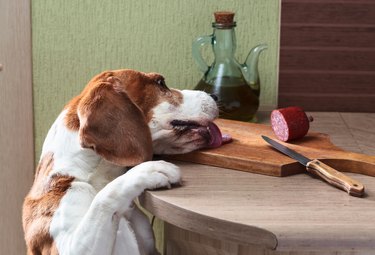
x=90, y=225
x=143, y=231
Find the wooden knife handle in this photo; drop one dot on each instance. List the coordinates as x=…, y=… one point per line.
x=334, y=177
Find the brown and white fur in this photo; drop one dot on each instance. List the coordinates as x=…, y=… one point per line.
x=81, y=201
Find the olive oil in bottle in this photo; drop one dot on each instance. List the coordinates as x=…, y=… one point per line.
x=236, y=99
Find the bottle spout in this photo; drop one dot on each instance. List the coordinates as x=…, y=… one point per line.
x=250, y=67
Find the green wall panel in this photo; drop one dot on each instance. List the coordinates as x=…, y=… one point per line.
x=74, y=40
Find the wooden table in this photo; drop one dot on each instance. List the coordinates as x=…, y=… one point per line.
x=222, y=211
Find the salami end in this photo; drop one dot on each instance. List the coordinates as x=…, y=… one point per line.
x=290, y=123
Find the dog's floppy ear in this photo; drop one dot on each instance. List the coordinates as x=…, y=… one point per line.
x=112, y=125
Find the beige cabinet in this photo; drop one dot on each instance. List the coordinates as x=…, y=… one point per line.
x=16, y=121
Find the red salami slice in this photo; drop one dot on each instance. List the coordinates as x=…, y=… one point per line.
x=216, y=137
x=290, y=123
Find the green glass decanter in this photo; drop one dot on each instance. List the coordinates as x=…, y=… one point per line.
x=235, y=85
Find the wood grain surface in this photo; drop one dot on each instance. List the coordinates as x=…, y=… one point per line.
x=184, y=242
x=248, y=152
x=296, y=213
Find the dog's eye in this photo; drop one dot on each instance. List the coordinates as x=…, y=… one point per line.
x=160, y=81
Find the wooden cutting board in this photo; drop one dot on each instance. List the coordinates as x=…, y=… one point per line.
x=249, y=152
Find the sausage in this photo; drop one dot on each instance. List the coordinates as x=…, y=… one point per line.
x=216, y=137
x=290, y=123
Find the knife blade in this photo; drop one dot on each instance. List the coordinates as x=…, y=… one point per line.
x=327, y=173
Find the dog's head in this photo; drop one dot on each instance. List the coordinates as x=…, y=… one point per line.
x=126, y=116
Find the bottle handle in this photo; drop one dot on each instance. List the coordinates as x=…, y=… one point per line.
x=197, y=45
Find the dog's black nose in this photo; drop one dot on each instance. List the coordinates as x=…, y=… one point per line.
x=214, y=97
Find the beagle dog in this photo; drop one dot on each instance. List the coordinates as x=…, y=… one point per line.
x=81, y=201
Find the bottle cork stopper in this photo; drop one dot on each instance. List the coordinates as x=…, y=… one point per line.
x=224, y=18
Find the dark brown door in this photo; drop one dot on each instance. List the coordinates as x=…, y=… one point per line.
x=327, y=55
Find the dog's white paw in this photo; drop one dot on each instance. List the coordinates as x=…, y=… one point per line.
x=119, y=194
x=156, y=174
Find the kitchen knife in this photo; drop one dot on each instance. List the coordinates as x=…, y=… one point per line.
x=324, y=171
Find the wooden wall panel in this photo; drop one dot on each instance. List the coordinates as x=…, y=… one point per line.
x=329, y=59
x=330, y=102
x=329, y=82
x=318, y=35
x=327, y=55
x=328, y=11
